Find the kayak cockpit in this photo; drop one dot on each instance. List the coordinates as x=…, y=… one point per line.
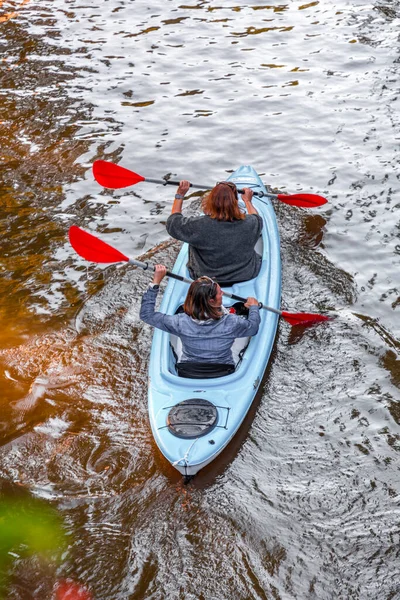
x=206, y=370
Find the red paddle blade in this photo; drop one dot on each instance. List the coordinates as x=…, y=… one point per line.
x=113, y=176
x=302, y=200
x=305, y=319
x=91, y=248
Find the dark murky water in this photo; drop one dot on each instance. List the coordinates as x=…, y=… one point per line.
x=305, y=501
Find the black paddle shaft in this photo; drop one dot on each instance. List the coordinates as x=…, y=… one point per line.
x=197, y=186
x=145, y=266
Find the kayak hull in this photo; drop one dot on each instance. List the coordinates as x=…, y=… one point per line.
x=231, y=395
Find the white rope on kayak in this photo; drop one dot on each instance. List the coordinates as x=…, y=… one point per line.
x=185, y=457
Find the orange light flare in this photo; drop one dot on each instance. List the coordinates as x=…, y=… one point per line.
x=69, y=590
x=14, y=13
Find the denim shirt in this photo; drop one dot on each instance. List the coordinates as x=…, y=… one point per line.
x=202, y=341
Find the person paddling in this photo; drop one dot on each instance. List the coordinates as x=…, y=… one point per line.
x=221, y=242
x=206, y=328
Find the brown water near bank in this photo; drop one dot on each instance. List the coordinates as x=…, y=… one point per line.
x=305, y=502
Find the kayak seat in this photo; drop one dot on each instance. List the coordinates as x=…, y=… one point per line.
x=193, y=370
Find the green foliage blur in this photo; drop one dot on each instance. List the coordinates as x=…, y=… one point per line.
x=28, y=526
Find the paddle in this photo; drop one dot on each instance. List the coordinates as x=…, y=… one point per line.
x=91, y=248
x=113, y=176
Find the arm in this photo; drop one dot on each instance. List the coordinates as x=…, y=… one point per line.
x=178, y=201
x=248, y=327
x=247, y=196
x=148, y=314
x=185, y=229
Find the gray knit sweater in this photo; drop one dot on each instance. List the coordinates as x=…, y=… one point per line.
x=223, y=250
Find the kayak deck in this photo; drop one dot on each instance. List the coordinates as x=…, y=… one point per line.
x=231, y=395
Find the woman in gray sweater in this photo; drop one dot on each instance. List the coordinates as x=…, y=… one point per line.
x=206, y=328
x=221, y=242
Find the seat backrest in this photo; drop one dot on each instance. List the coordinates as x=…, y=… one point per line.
x=193, y=370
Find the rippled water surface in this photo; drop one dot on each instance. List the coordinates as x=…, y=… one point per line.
x=305, y=501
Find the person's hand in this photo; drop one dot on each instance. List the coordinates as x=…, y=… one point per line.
x=159, y=273
x=183, y=187
x=251, y=302
x=247, y=194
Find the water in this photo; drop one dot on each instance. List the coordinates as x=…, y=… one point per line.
x=305, y=501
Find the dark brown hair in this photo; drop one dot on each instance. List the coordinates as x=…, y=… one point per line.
x=221, y=203
x=197, y=303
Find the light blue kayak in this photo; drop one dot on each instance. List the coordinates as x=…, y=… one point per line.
x=213, y=409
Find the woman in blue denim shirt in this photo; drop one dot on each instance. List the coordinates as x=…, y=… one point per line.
x=207, y=330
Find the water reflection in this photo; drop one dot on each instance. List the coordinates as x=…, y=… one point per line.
x=11, y=6
x=313, y=231
x=39, y=153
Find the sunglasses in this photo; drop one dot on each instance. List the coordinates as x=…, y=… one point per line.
x=229, y=184
x=204, y=280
